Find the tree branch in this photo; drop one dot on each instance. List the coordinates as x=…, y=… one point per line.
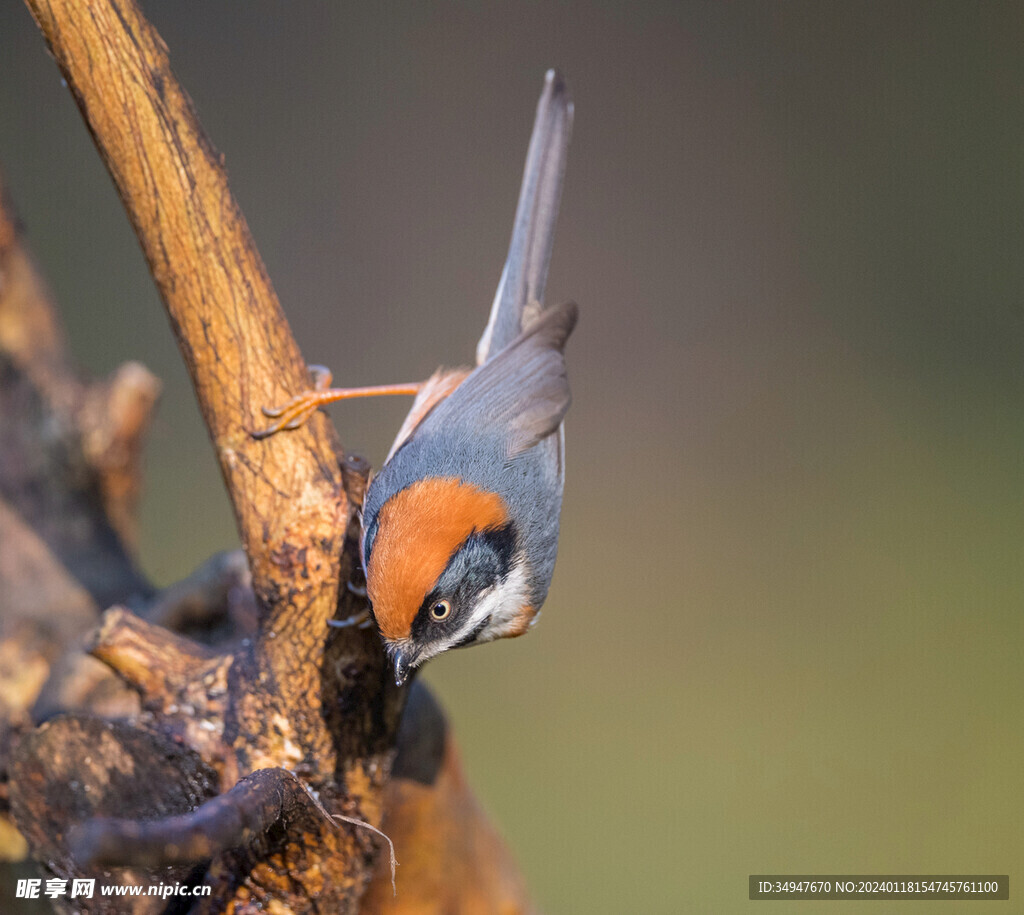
x=78, y=768
x=315, y=707
x=225, y=822
x=233, y=335
x=323, y=708
x=151, y=659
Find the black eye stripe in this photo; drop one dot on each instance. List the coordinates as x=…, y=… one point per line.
x=479, y=563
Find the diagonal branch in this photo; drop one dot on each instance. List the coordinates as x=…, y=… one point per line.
x=292, y=696
x=314, y=708
x=230, y=327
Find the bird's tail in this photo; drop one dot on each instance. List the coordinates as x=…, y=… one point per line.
x=533, y=233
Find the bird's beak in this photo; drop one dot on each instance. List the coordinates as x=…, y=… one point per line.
x=402, y=667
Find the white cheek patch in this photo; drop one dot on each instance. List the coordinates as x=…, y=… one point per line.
x=502, y=604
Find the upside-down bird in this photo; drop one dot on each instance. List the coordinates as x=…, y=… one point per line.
x=460, y=526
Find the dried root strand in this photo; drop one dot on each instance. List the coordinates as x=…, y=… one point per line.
x=372, y=828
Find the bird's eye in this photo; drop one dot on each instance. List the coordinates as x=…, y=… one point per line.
x=441, y=610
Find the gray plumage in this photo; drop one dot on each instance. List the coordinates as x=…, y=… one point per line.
x=501, y=431
x=501, y=427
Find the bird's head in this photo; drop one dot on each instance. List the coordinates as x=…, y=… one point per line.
x=444, y=570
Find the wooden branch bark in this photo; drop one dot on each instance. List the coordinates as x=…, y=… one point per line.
x=288, y=493
x=233, y=335
x=427, y=806
x=85, y=768
x=295, y=704
x=228, y=821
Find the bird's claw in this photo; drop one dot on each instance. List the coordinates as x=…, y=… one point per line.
x=296, y=411
x=357, y=619
x=290, y=416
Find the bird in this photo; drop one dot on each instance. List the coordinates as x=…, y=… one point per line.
x=459, y=528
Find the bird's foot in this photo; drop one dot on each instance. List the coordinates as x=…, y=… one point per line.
x=361, y=620
x=297, y=410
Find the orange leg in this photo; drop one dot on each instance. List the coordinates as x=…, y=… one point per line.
x=294, y=413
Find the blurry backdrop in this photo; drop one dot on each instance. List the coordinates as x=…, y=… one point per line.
x=785, y=629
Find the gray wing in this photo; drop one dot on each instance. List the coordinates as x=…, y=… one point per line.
x=504, y=409
x=526, y=268
x=521, y=394
x=501, y=430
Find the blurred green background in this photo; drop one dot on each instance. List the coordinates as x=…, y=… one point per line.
x=785, y=629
